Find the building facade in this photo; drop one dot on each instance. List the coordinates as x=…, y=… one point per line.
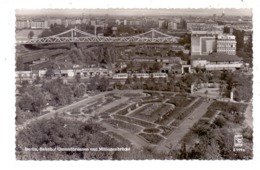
x=226, y=44
x=172, y=25
x=217, y=62
x=203, y=45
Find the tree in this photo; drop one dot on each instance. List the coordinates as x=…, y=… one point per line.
x=49, y=73
x=33, y=100
x=45, y=33
x=103, y=84
x=226, y=30
x=37, y=80
x=64, y=133
x=220, y=121
x=156, y=67
x=93, y=83
x=78, y=78
x=80, y=90
x=19, y=64
x=64, y=95
x=206, y=93
x=130, y=65
x=26, y=102
x=183, y=154
x=30, y=34
x=60, y=93
x=128, y=80
x=144, y=65
x=239, y=39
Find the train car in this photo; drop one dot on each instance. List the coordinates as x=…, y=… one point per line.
x=141, y=75
x=159, y=75
x=120, y=76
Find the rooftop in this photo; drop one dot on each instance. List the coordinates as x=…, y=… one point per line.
x=216, y=57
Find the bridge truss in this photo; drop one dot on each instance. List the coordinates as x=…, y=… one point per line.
x=76, y=35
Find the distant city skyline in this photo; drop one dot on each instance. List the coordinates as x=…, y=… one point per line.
x=135, y=12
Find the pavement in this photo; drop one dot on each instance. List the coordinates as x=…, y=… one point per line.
x=248, y=115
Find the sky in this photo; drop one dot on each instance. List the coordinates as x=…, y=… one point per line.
x=131, y=12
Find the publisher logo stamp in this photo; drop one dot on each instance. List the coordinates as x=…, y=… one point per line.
x=238, y=140
x=238, y=143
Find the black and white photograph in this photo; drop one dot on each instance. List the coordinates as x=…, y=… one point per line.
x=134, y=84
x=140, y=84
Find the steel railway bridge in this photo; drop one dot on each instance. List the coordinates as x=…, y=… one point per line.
x=76, y=35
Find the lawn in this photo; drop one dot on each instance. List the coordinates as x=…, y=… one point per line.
x=168, y=116
x=124, y=125
x=115, y=108
x=151, y=138
x=133, y=95
x=180, y=101
x=126, y=110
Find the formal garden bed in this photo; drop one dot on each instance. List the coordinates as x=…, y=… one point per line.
x=151, y=138
x=134, y=121
x=151, y=112
x=151, y=101
x=181, y=101
x=133, y=95
x=152, y=130
x=128, y=109
x=168, y=116
x=124, y=125
x=148, y=98
x=166, y=130
x=115, y=108
x=112, y=95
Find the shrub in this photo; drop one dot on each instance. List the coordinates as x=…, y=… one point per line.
x=75, y=111
x=248, y=133
x=220, y=121
x=152, y=130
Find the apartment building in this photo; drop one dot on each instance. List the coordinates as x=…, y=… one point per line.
x=226, y=43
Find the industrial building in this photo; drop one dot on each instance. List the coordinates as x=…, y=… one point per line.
x=217, y=62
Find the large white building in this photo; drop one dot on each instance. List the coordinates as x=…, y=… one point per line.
x=226, y=44
x=172, y=25
x=203, y=44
